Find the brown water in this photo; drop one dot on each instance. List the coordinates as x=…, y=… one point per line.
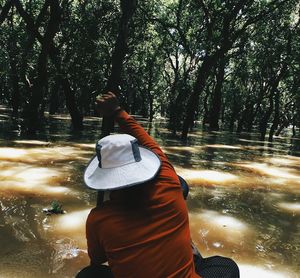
x=244, y=200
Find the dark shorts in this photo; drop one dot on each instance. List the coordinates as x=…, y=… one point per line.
x=216, y=267
x=211, y=267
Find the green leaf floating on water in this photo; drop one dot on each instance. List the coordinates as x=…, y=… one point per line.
x=56, y=208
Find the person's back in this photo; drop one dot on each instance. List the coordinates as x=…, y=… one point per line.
x=148, y=238
x=143, y=229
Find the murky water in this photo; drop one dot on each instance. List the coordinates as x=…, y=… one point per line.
x=244, y=200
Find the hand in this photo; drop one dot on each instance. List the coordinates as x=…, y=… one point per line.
x=107, y=104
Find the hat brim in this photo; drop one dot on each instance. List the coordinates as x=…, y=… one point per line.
x=124, y=176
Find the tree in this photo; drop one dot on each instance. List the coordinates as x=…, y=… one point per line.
x=128, y=8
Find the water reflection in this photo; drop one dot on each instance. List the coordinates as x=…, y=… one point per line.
x=71, y=223
x=265, y=272
x=220, y=146
x=31, y=179
x=209, y=225
x=244, y=200
x=276, y=172
x=202, y=177
x=293, y=208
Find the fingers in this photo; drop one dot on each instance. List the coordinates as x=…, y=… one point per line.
x=106, y=96
x=106, y=104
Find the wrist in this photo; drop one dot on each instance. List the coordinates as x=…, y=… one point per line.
x=116, y=111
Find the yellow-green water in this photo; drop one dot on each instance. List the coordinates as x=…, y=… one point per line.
x=244, y=200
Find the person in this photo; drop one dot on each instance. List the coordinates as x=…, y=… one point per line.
x=143, y=229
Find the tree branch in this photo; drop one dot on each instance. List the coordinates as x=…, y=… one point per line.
x=272, y=6
x=5, y=10
x=207, y=15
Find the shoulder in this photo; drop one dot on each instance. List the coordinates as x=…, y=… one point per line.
x=95, y=215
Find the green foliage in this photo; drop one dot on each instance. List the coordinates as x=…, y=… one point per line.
x=56, y=207
x=257, y=43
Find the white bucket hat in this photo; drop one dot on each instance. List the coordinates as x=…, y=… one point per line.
x=120, y=162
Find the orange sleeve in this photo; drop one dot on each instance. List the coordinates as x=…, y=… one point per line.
x=95, y=249
x=130, y=126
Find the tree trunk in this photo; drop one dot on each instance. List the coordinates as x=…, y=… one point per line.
x=265, y=119
x=276, y=117
x=173, y=123
x=151, y=112
x=280, y=129
x=12, y=53
x=32, y=114
x=205, y=119
x=229, y=36
x=128, y=8
x=54, y=97
x=250, y=118
x=235, y=109
x=273, y=89
x=215, y=110
x=54, y=54
x=282, y=73
x=71, y=104
x=150, y=88
x=294, y=131
x=32, y=27
x=202, y=75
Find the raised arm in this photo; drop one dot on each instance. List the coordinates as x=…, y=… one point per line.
x=108, y=105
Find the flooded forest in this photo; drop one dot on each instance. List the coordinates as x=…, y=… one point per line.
x=215, y=83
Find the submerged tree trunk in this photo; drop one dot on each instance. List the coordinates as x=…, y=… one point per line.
x=32, y=113
x=54, y=97
x=294, y=127
x=150, y=89
x=216, y=103
x=71, y=104
x=229, y=35
x=205, y=119
x=281, y=128
x=234, y=112
x=263, y=125
x=281, y=74
x=173, y=122
x=32, y=27
x=128, y=8
x=12, y=53
x=55, y=57
x=274, y=92
x=276, y=117
x=202, y=75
